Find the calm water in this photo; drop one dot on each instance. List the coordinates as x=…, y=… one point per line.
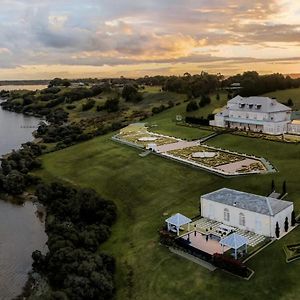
x=21, y=231
x=22, y=87
x=15, y=129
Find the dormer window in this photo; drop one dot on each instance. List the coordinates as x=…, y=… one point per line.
x=258, y=106
x=242, y=105
x=250, y=106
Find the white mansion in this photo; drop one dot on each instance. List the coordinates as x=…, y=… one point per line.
x=259, y=114
x=246, y=211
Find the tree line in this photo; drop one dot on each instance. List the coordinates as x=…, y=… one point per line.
x=78, y=222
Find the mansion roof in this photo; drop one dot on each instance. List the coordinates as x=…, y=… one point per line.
x=257, y=104
x=251, y=202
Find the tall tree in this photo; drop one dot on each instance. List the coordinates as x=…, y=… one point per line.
x=286, y=224
x=277, y=230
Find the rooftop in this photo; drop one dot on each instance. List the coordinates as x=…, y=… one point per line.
x=178, y=220
x=261, y=104
x=234, y=241
x=259, y=204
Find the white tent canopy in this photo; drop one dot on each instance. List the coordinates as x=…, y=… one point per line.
x=177, y=221
x=234, y=241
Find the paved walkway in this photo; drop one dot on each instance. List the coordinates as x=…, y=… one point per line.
x=177, y=146
x=208, y=137
x=238, y=165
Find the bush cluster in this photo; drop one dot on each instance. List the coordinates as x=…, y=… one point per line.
x=78, y=222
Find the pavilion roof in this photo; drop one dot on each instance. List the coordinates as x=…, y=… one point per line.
x=234, y=241
x=178, y=220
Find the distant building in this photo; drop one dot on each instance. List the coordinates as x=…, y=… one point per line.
x=259, y=114
x=294, y=127
x=246, y=211
x=234, y=87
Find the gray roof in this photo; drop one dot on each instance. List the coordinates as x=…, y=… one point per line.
x=265, y=104
x=178, y=220
x=234, y=241
x=259, y=204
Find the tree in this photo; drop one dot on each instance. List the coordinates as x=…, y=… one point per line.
x=286, y=224
x=192, y=106
x=131, y=94
x=273, y=186
x=205, y=100
x=112, y=105
x=59, y=82
x=293, y=218
x=284, y=190
x=88, y=105
x=14, y=183
x=290, y=102
x=277, y=230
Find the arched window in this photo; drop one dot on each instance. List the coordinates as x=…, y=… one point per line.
x=226, y=215
x=242, y=220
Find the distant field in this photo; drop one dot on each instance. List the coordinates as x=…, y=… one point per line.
x=284, y=95
x=146, y=188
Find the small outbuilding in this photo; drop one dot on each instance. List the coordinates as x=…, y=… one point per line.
x=235, y=241
x=176, y=221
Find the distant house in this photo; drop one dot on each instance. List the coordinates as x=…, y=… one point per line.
x=234, y=87
x=294, y=127
x=246, y=211
x=259, y=114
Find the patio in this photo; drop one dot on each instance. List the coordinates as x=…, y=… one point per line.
x=210, y=245
x=205, y=226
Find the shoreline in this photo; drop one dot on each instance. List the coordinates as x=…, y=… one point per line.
x=19, y=200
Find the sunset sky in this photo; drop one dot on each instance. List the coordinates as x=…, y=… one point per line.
x=41, y=39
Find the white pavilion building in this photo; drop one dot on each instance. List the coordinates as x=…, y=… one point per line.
x=259, y=114
x=246, y=211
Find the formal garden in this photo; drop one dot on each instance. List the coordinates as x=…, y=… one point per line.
x=139, y=135
x=194, y=153
x=225, y=161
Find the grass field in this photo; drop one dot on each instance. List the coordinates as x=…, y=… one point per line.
x=145, y=188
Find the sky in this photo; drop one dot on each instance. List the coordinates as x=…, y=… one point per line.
x=42, y=39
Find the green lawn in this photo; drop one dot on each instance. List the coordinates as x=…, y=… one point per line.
x=145, y=188
x=284, y=95
x=209, y=109
x=166, y=124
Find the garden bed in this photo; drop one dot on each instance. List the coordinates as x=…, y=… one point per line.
x=292, y=252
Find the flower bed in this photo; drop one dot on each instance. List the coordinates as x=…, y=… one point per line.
x=220, y=158
x=292, y=252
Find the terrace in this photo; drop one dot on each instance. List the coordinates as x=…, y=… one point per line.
x=209, y=236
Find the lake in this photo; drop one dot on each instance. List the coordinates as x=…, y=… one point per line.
x=15, y=129
x=22, y=87
x=21, y=231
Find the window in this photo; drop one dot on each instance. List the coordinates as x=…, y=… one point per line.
x=226, y=215
x=242, y=221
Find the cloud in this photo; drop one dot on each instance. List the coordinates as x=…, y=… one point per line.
x=128, y=32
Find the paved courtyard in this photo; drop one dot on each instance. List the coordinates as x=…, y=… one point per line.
x=202, y=224
x=199, y=241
